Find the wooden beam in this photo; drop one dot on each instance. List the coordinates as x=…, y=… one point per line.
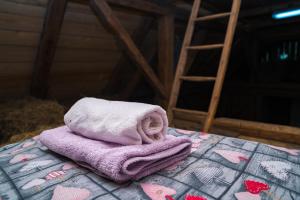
x=271, y=142
x=251, y=128
x=189, y=125
x=254, y=12
x=263, y=130
x=165, y=56
x=106, y=15
x=142, y=5
x=47, y=46
x=149, y=52
x=138, y=36
x=166, y=53
x=137, y=5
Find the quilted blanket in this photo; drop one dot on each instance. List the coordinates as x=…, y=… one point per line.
x=218, y=168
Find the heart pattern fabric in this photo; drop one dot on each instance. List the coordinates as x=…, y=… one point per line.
x=50, y=176
x=247, y=196
x=204, y=136
x=4, y=155
x=157, y=192
x=33, y=183
x=232, y=156
x=168, y=197
x=277, y=169
x=184, y=132
x=207, y=175
x=193, y=149
x=238, y=142
x=35, y=164
x=69, y=166
x=293, y=152
x=17, y=151
x=28, y=144
x=54, y=175
x=70, y=193
x=255, y=187
x=196, y=143
x=191, y=197
x=174, y=166
x=21, y=158
x=42, y=173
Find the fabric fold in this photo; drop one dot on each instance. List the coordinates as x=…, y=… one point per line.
x=114, y=161
x=119, y=122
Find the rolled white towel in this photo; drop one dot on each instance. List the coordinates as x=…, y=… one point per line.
x=116, y=121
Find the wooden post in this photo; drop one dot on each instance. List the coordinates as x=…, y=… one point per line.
x=166, y=53
x=105, y=15
x=47, y=46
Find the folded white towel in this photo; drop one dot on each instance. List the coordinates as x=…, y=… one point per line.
x=118, y=122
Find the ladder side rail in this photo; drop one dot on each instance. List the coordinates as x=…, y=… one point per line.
x=223, y=64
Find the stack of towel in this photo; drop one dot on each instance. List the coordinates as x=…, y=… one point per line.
x=118, y=140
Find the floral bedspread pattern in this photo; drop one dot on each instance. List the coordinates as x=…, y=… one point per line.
x=218, y=168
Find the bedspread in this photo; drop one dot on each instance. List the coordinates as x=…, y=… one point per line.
x=218, y=168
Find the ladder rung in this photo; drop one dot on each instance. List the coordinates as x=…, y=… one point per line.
x=215, y=16
x=191, y=112
x=204, y=47
x=198, y=78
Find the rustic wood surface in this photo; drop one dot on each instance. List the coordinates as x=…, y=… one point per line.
x=86, y=52
x=106, y=16
x=47, y=47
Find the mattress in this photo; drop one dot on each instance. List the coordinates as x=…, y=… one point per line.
x=218, y=168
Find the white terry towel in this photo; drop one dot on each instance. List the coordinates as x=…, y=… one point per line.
x=118, y=122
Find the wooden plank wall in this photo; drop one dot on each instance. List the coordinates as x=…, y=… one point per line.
x=85, y=57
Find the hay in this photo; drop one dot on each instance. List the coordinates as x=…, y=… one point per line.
x=25, y=118
x=26, y=135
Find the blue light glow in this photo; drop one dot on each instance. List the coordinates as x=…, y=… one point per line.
x=287, y=14
x=284, y=56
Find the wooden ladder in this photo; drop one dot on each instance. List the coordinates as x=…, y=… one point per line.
x=186, y=47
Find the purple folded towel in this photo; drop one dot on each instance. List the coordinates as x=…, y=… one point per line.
x=114, y=161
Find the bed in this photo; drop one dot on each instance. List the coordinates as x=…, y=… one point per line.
x=218, y=168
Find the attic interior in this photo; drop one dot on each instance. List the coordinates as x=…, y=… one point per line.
x=149, y=99
x=68, y=50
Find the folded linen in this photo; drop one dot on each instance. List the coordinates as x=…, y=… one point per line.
x=114, y=161
x=118, y=122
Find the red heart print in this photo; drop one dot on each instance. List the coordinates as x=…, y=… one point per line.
x=190, y=197
x=255, y=187
x=157, y=192
x=169, y=197
x=243, y=158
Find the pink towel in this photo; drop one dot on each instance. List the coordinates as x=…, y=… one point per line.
x=114, y=161
x=118, y=122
